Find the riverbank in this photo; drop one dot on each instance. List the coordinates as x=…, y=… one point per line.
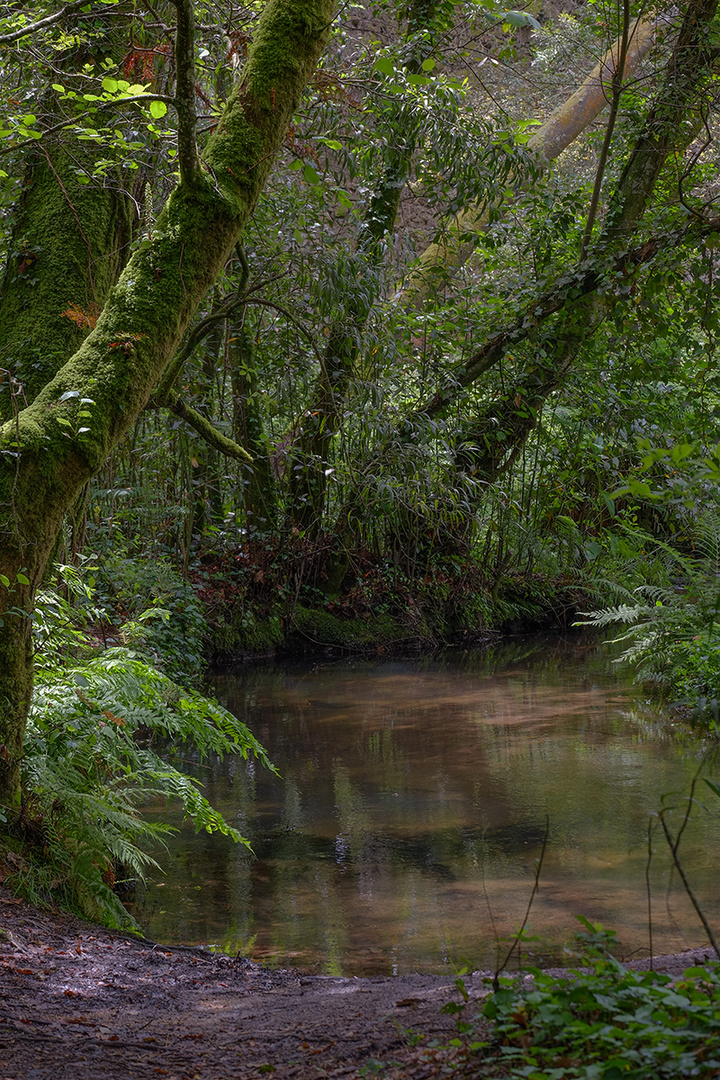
x=83, y=1002
x=379, y=612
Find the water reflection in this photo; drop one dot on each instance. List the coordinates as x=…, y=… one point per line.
x=413, y=806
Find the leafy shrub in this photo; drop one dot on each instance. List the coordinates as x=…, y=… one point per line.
x=606, y=1021
x=100, y=728
x=175, y=637
x=672, y=630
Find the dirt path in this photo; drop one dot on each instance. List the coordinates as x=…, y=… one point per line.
x=81, y=1003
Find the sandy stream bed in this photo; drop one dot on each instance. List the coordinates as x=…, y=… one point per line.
x=78, y=1002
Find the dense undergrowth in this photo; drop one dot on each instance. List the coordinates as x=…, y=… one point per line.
x=600, y=1020
x=108, y=720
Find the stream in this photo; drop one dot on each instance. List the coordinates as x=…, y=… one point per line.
x=413, y=807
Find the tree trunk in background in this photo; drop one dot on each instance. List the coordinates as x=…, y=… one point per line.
x=440, y=260
x=259, y=489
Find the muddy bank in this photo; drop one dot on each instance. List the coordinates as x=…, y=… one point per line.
x=81, y=1002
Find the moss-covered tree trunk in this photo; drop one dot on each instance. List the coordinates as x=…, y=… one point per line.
x=69, y=243
x=71, y=233
x=259, y=489
x=48, y=450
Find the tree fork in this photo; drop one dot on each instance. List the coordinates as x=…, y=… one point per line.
x=45, y=457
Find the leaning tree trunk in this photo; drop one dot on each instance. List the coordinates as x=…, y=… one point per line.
x=48, y=451
x=561, y=322
x=442, y=259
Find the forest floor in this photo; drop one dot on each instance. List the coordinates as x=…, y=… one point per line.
x=78, y=1002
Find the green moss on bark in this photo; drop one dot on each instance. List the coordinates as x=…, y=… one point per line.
x=68, y=246
x=282, y=59
x=240, y=634
x=45, y=456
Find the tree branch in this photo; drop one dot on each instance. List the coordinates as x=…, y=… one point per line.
x=563, y=296
x=185, y=99
x=49, y=20
x=206, y=430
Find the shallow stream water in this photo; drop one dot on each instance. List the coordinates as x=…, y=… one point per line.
x=414, y=801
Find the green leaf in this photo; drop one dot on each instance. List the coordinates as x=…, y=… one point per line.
x=592, y=549
x=429, y=64
x=110, y=85
x=385, y=65
x=5, y=581
x=515, y=18
x=713, y=786
x=68, y=395
x=22, y=579
x=609, y=503
x=311, y=175
x=158, y=109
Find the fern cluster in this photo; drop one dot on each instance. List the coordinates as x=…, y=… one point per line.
x=672, y=631
x=100, y=730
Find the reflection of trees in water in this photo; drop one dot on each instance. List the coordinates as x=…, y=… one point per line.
x=406, y=785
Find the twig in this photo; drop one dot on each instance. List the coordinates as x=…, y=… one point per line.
x=516, y=940
x=649, y=892
x=672, y=844
x=32, y=28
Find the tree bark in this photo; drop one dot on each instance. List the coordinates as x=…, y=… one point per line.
x=258, y=493
x=70, y=241
x=48, y=451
